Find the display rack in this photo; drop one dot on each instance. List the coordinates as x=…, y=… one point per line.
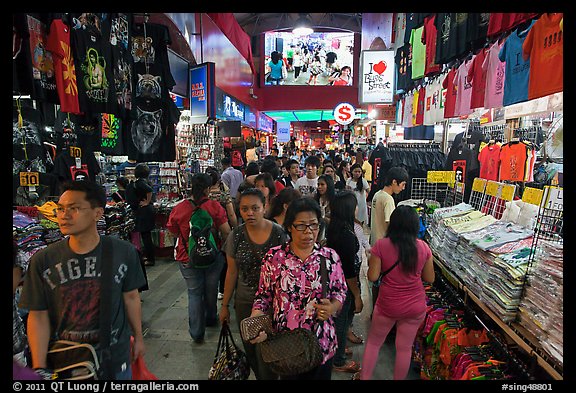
x=438, y=186
x=490, y=197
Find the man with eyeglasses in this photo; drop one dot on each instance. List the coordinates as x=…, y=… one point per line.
x=63, y=287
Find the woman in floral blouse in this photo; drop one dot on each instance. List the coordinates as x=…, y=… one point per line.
x=290, y=285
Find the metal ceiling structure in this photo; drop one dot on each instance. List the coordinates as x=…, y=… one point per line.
x=257, y=23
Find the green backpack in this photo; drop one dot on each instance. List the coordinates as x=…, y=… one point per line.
x=202, y=249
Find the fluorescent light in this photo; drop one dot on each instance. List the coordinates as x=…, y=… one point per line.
x=303, y=26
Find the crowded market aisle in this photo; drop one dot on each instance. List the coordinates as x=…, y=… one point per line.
x=172, y=355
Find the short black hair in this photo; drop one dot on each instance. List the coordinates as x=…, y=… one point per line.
x=269, y=166
x=200, y=182
x=312, y=160
x=252, y=168
x=95, y=193
x=254, y=192
x=214, y=174
x=291, y=162
x=303, y=204
x=226, y=161
x=123, y=181
x=396, y=173
x=142, y=170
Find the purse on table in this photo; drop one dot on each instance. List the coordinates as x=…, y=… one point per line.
x=293, y=352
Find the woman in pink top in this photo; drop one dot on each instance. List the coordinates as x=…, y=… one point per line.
x=401, y=298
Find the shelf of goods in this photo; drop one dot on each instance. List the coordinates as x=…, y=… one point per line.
x=494, y=272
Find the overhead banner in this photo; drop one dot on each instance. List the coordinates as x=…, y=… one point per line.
x=376, y=77
x=283, y=132
x=265, y=123
x=202, y=94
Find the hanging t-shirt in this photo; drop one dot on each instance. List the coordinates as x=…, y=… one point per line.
x=432, y=98
x=418, y=53
x=415, y=98
x=411, y=23
x=403, y=60
x=58, y=44
x=461, y=24
x=463, y=89
x=446, y=38
x=93, y=63
x=66, y=169
x=81, y=131
x=399, y=27
x=489, y=158
x=39, y=195
x=27, y=141
x=449, y=94
x=34, y=62
x=495, y=77
x=477, y=77
x=438, y=104
x=458, y=160
x=112, y=129
x=407, y=114
x=502, y=21
x=477, y=29
x=513, y=157
x=545, y=48
x=429, y=36
x=421, y=105
x=517, y=70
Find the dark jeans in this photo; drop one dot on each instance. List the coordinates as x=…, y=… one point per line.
x=342, y=323
x=148, y=246
x=322, y=372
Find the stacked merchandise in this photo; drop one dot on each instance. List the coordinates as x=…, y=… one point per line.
x=541, y=309
x=168, y=181
x=453, y=343
x=33, y=233
x=119, y=221
x=468, y=240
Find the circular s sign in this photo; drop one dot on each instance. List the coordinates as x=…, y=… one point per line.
x=344, y=113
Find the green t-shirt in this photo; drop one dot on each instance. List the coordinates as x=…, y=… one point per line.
x=418, y=53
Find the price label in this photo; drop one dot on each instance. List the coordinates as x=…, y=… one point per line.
x=554, y=198
x=29, y=179
x=459, y=187
x=492, y=188
x=75, y=152
x=532, y=196
x=479, y=185
x=441, y=177
x=508, y=192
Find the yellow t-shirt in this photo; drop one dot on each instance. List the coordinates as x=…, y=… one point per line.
x=367, y=168
x=382, y=207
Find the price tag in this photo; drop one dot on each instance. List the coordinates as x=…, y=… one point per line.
x=29, y=179
x=532, y=196
x=554, y=198
x=459, y=187
x=75, y=152
x=441, y=177
x=508, y=192
x=492, y=188
x=479, y=185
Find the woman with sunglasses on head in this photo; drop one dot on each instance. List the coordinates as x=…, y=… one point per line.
x=245, y=247
x=290, y=285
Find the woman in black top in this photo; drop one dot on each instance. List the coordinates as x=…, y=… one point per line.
x=340, y=236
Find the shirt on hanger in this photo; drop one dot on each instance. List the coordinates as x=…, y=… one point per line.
x=449, y=94
x=513, y=157
x=463, y=89
x=418, y=53
x=429, y=36
x=495, y=77
x=489, y=158
x=477, y=77
x=403, y=60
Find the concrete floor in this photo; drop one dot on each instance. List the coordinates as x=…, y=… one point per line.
x=172, y=355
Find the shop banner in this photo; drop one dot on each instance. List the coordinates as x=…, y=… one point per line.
x=376, y=77
x=202, y=92
x=283, y=132
x=265, y=123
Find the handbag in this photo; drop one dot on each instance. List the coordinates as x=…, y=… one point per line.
x=72, y=360
x=230, y=362
x=293, y=352
x=251, y=327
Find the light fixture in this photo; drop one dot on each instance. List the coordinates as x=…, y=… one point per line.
x=303, y=26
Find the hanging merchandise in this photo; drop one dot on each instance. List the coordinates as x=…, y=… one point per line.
x=429, y=36
x=501, y=22
x=113, y=128
x=463, y=89
x=82, y=131
x=513, y=156
x=445, y=37
x=544, y=47
x=93, y=63
x=477, y=77
x=58, y=44
x=403, y=60
x=495, y=77
x=478, y=30
x=489, y=158
x=418, y=53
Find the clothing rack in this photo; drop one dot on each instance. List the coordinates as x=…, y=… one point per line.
x=409, y=145
x=530, y=133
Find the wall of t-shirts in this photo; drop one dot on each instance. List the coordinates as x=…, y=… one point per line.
x=90, y=82
x=452, y=63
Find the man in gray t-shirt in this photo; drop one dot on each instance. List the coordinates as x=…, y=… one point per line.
x=62, y=290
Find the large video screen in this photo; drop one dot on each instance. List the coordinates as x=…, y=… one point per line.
x=319, y=59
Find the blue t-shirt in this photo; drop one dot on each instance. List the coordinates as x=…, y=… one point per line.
x=276, y=69
x=517, y=69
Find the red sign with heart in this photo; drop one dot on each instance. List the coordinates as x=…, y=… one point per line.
x=380, y=67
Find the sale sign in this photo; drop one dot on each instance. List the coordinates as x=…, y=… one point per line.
x=377, y=77
x=344, y=113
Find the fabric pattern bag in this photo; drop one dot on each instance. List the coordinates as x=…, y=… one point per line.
x=291, y=352
x=73, y=361
x=251, y=327
x=230, y=362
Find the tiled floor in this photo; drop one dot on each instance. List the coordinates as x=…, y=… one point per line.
x=172, y=355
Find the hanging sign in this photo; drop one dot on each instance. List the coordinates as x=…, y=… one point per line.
x=283, y=132
x=441, y=177
x=29, y=179
x=508, y=191
x=532, y=196
x=492, y=188
x=554, y=199
x=202, y=94
x=377, y=73
x=344, y=113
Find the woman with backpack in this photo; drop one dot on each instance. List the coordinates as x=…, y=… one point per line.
x=245, y=248
x=201, y=278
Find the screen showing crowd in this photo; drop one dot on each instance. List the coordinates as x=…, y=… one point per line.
x=318, y=59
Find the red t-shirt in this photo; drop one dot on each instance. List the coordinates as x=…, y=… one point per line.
x=503, y=21
x=179, y=224
x=58, y=44
x=489, y=158
x=429, y=39
x=513, y=161
x=477, y=77
x=450, y=101
x=420, y=109
x=545, y=48
x=279, y=186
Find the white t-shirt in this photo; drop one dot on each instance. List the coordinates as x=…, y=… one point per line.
x=362, y=211
x=307, y=187
x=382, y=207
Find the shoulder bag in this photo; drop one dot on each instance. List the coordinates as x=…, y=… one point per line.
x=293, y=352
x=382, y=274
x=79, y=361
